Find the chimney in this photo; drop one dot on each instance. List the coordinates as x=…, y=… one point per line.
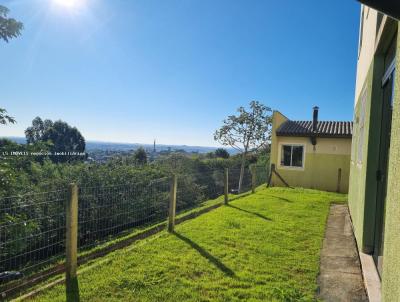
x=315, y=119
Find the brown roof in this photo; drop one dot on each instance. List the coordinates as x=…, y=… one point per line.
x=324, y=129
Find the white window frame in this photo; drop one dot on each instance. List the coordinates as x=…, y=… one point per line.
x=292, y=145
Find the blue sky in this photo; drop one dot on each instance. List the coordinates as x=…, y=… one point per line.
x=135, y=70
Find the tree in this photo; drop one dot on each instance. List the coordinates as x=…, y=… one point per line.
x=61, y=136
x=246, y=132
x=140, y=156
x=6, y=119
x=37, y=132
x=210, y=155
x=221, y=153
x=9, y=27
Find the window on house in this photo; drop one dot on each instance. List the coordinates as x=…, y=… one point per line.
x=292, y=156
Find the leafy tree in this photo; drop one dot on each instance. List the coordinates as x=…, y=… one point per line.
x=221, y=153
x=247, y=131
x=5, y=119
x=263, y=155
x=37, y=132
x=15, y=164
x=210, y=155
x=63, y=138
x=9, y=27
x=140, y=156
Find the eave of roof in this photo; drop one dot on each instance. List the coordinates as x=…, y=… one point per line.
x=388, y=7
x=315, y=135
x=326, y=129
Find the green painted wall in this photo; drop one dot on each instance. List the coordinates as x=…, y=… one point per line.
x=363, y=183
x=391, y=258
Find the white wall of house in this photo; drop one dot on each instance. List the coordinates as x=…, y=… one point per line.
x=366, y=51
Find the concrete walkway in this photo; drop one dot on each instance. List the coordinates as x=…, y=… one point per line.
x=340, y=276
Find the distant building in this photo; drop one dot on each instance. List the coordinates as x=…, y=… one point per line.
x=311, y=154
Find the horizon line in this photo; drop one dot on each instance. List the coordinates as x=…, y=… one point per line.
x=128, y=143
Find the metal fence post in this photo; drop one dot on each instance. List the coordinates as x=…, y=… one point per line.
x=253, y=178
x=226, y=184
x=71, y=242
x=172, y=203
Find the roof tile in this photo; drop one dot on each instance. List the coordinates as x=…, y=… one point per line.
x=324, y=129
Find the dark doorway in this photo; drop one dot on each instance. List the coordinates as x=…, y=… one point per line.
x=384, y=147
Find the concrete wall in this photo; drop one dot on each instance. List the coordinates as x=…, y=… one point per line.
x=321, y=163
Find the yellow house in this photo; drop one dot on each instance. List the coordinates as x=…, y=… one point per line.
x=310, y=154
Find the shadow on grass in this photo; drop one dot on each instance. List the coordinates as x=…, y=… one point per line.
x=238, y=196
x=280, y=198
x=72, y=290
x=250, y=212
x=222, y=267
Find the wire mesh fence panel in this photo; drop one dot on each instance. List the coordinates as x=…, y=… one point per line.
x=33, y=226
x=32, y=233
x=234, y=178
x=105, y=212
x=195, y=188
x=262, y=174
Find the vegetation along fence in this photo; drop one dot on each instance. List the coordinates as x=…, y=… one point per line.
x=42, y=234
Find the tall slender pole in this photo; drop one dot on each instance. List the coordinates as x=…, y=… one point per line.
x=172, y=203
x=253, y=178
x=226, y=184
x=72, y=244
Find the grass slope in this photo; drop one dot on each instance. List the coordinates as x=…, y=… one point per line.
x=262, y=247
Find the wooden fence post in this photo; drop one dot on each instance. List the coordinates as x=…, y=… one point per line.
x=172, y=203
x=226, y=185
x=253, y=178
x=272, y=168
x=72, y=244
x=339, y=180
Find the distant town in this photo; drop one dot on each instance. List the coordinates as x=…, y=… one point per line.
x=101, y=152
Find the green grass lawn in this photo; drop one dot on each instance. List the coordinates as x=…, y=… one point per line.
x=262, y=247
